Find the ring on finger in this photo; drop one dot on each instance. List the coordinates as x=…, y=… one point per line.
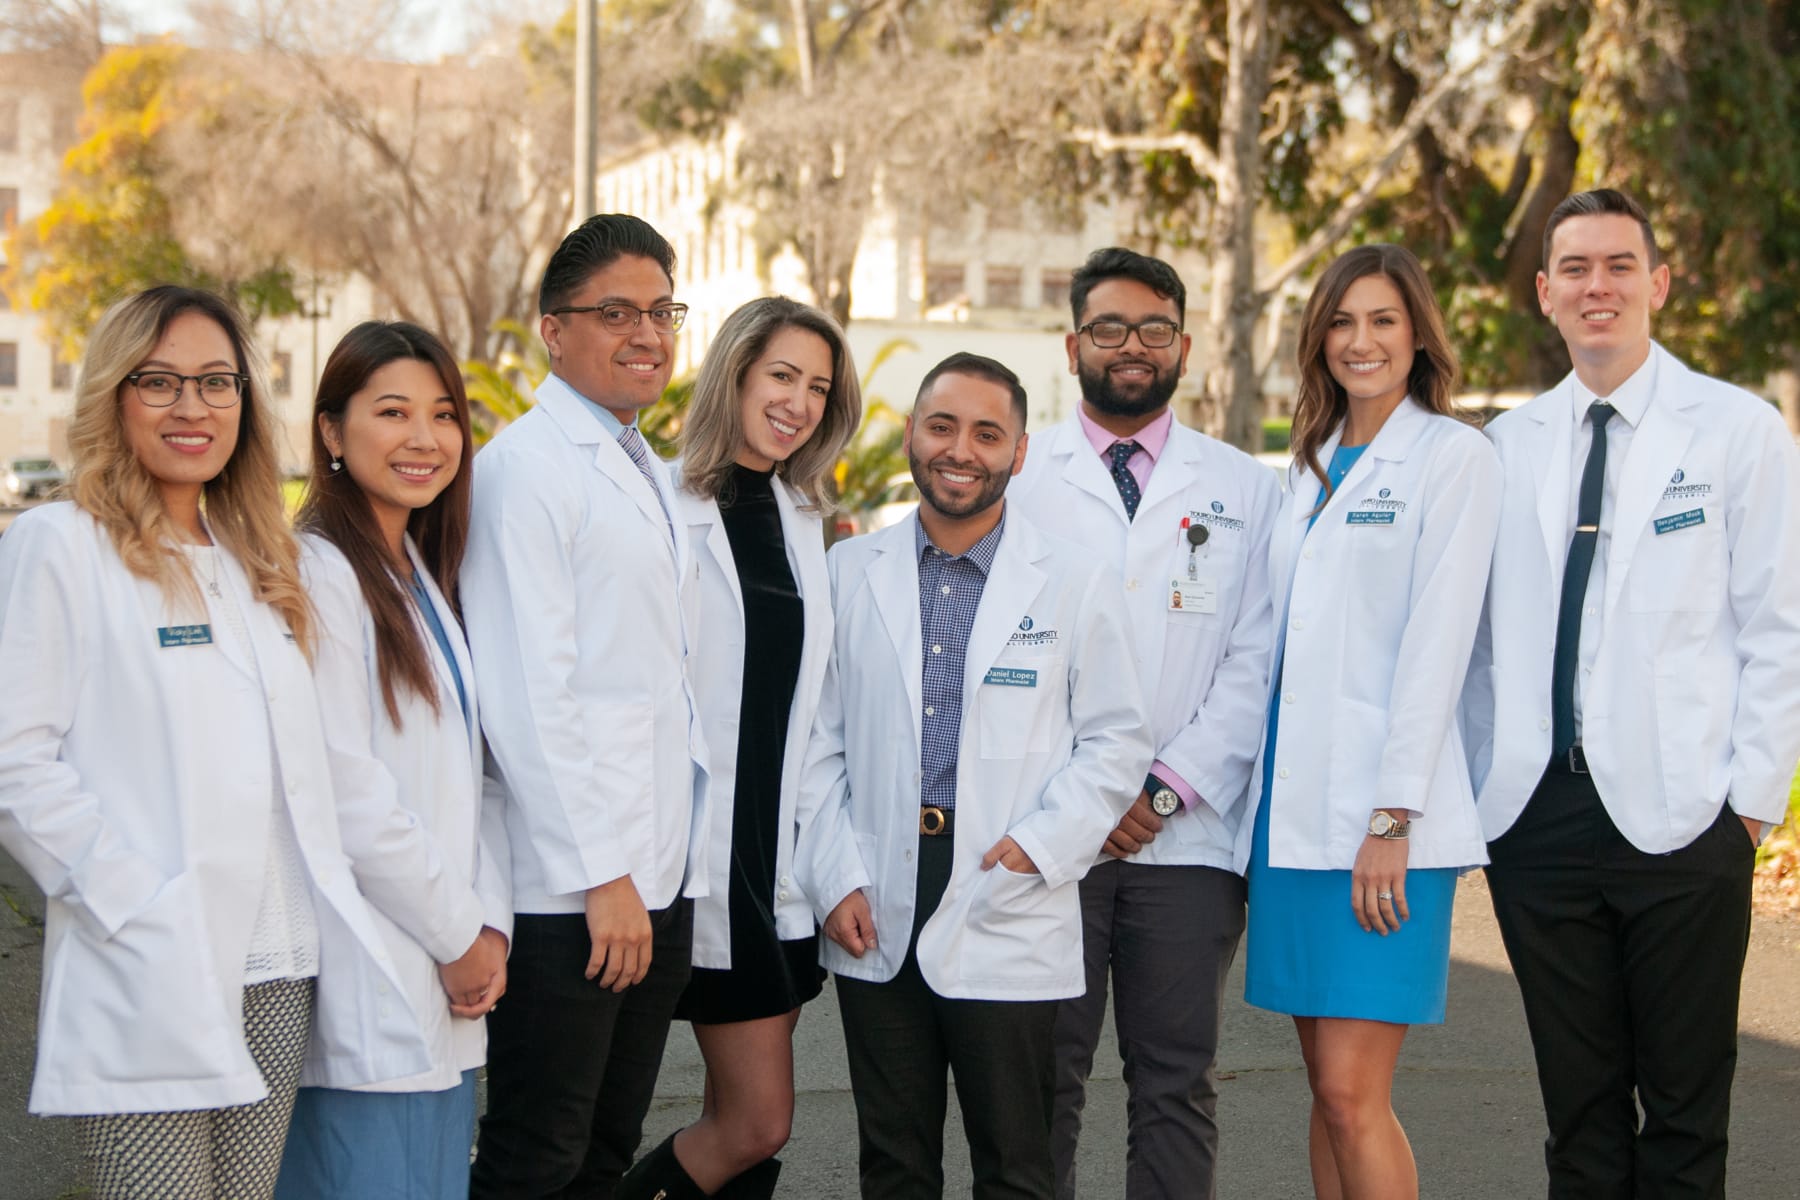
x=1384, y=895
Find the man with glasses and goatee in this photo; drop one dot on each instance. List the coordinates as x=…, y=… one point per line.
x=571, y=593
x=1184, y=521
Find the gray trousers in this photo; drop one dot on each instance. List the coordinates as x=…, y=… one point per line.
x=1166, y=935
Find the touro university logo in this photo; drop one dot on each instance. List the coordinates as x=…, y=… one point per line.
x=1678, y=489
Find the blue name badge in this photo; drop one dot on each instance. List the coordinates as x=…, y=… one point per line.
x=1693, y=516
x=184, y=635
x=1011, y=677
x=1369, y=518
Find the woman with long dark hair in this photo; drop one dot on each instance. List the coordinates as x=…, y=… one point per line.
x=385, y=520
x=776, y=401
x=162, y=771
x=1363, y=806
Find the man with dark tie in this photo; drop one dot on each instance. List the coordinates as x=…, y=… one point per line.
x=1633, y=715
x=1182, y=523
x=571, y=594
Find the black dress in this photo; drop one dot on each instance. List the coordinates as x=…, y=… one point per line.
x=767, y=976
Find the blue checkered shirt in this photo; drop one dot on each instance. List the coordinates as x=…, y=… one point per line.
x=949, y=593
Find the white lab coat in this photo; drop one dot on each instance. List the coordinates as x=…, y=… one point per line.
x=1378, y=616
x=1694, y=699
x=1054, y=764
x=135, y=787
x=428, y=856
x=716, y=615
x=570, y=592
x=1205, y=673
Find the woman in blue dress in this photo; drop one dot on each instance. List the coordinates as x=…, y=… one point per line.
x=1363, y=807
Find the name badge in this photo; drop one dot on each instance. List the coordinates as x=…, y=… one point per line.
x=1693, y=516
x=183, y=635
x=1011, y=677
x=1369, y=518
x=1194, y=595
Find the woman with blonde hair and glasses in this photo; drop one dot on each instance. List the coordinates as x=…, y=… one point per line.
x=1363, y=809
x=776, y=401
x=162, y=771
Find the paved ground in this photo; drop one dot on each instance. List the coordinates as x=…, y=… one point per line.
x=1466, y=1092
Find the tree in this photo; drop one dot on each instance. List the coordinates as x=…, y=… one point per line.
x=114, y=226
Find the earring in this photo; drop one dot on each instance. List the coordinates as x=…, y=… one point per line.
x=337, y=464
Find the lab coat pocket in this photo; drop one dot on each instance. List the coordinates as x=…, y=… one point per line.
x=1013, y=718
x=1015, y=918
x=1358, y=738
x=1680, y=563
x=144, y=1004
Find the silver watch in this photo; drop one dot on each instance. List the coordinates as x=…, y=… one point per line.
x=1383, y=825
x=1164, y=800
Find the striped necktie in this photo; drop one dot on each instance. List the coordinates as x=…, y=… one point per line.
x=633, y=443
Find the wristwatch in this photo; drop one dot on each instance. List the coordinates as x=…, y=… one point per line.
x=1383, y=825
x=1164, y=800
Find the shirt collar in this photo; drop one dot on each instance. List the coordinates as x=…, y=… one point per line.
x=1630, y=399
x=1151, y=438
x=980, y=555
x=613, y=426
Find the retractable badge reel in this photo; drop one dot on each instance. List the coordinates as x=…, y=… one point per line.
x=1194, y=594
x=1195, y=536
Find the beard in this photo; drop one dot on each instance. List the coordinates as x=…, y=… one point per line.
x=990, y=487
x=1133, y=400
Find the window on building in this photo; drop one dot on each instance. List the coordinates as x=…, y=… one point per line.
x=65, y=125
x=9, y=124
x=281, y=373
x=1053, y=289
x=62, y=373
x=9, y=207
x=943, y=283
x=1003, y=287
x=5, y=299
x=9, y=364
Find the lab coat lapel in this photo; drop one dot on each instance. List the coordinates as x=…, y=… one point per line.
x=1012, y=583
x=1657, y=446
x=894, y=582
x=447, y=691
x=1084, y=469
x=1552, y=444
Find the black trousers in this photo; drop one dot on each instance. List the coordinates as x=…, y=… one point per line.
x=901, y=1038
x=572, y=1066
x=1629, y=965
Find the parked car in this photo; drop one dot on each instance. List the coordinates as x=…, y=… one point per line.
x=32, y=478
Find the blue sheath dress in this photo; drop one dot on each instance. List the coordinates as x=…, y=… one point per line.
x=1307, y=956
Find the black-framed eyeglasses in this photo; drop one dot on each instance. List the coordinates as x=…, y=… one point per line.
x=1155, y=334
x=160, y=389
x=616, y=317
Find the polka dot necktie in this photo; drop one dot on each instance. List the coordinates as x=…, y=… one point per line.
x=1122, y=477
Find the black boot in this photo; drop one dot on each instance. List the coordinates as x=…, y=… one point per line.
x=658, y=1176
x=758, y=1183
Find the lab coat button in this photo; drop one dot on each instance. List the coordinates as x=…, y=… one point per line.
x=1299, y=622
x=1307, y=553
x=381, y=989
x=1282, y=773
x=1131, y=585
x=907, y=855
x=386, y=1011
x=782, y=894
x=1287, y=697
x=784, y=881
x=1543, y=722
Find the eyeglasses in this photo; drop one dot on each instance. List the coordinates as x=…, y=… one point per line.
x=1155, y=334
x=623, y=318
x=160, y=389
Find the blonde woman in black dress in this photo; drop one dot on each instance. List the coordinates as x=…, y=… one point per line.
x=776, y=401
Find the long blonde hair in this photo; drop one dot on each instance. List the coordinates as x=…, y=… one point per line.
x=242, y=503
x=714, y=431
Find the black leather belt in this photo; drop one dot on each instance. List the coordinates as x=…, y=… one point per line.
x=935, y=821
x=1573, y=760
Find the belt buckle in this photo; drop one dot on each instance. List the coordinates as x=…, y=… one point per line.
x=1577, y=761
x=932, y=820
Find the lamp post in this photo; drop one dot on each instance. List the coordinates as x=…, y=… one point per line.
x=587, y=74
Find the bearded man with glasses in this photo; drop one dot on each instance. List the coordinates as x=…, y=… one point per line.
x=1184, y=521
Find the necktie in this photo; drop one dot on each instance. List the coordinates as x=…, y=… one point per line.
x=633, y=443
x=1574, y=584
x=1122, y=477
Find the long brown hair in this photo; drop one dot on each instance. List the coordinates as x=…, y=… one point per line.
x=242, y=502
x=714, y=431
x=338, y=510
x=1321, y=405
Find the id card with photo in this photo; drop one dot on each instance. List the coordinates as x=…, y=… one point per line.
x=1194, y=595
